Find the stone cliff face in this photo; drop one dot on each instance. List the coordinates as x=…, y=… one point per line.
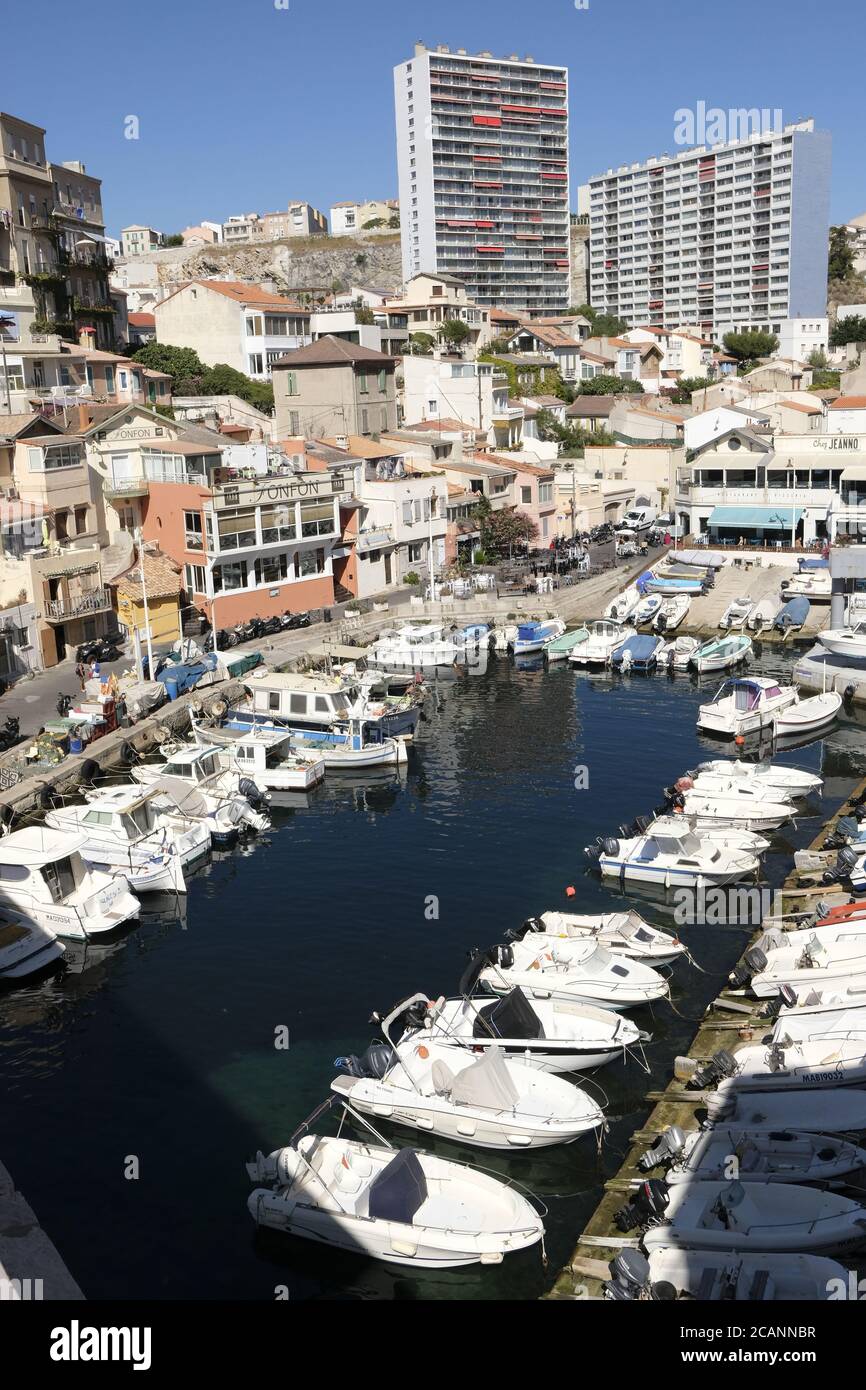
x=314, y=266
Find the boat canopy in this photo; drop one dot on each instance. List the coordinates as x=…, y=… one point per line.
x=816, y=564
x=186, y=799
x=526, y=632
x=793, y=613
x=486, y=1083
x=781, y=518
x=510, y=1017
x=746, y=693
x=399, y=1191
x=39, y=844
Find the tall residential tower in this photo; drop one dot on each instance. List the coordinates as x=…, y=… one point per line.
x=728, y=237
x=482, y=153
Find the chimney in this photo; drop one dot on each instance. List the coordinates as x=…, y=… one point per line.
x=342, y=441
x=87, y=338
x=83, y=418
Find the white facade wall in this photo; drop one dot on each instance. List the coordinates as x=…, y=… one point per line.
x=800, y=337
x=436, y=390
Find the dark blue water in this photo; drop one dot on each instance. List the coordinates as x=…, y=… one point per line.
x=161, y=1047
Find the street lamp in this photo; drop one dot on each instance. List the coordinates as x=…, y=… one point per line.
x=792, y=473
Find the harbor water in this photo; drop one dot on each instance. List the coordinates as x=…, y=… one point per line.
x=135, y=1084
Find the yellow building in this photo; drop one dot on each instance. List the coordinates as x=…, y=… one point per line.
x=163, y=584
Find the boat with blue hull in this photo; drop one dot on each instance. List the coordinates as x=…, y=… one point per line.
x=330, y=703
x=639, y=653
x=343, y=749
x=534, y=637
x=793, y=614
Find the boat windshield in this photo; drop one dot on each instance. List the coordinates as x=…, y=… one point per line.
x=139, y=821
x=60, y=877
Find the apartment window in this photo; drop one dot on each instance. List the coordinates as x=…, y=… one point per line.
x=309, y=562
x=365, y=426
x=407, y=513
x=254, y=326
x=278, y=524
x=256, y=368
x=230, y=576
x=123, y=380
x=380, y=382
x=291, y=383
x=526, y=495
x=194, y=579
x=14, y=377
x=271, y=569
x=109, y=380
x=55, y=456
x=80, y=521
x=545, y=492
x=363, y=383
x=317, y=517
x=193, y=530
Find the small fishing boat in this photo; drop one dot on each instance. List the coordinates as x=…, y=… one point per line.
x=733, y=1278
x=814, y=964
x=762, y=1155
x=806, y=716
x=761, y=617
x=489, y=1101
x=414, y=645
x=45, y=877
x=264, y=757
x=400, y=1206
x=180, y=804
x=721, y=835
x=342, y=748
x=603, y=639
x=669, y=586
x=582, y=971
x=638, y=653
x=812, y=584
x=534, y=637
x=624, y=606
x=792, y=615
x=316, y=701
x=679, y=653
x=845, y=641
x=736, y=613
x=837, y=1059
x=671, y=612
x=738, y=1217
x=27, y=947
x=709, y=809
x=745, y=705
x=622, y=933
x=718, y=784
x=721, y=653
x=125, y=833
x=647, y=610
x=562, y=647
x=555, y=1035
x=674, y=860
x=792, y=779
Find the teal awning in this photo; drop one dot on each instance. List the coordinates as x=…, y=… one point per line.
x=755, y=518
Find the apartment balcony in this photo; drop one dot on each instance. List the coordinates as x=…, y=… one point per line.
x=58, y=610
x=122, y=489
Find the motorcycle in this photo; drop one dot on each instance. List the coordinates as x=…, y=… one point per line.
x=292, y=621
x=10, y=733
x=98, y=649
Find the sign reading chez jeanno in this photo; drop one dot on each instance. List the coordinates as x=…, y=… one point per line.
x=843, y=443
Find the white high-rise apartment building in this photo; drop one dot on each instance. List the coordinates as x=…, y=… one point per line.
x=482, y=155
x=729, y=236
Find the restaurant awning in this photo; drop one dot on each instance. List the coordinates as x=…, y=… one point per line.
x=755, y=518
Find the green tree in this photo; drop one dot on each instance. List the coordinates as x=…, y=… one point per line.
x=840, y=263
x=223, y=380
x=609, y=386
x=454, y=332
x=363, y=314
x=180, y=363
x=750, y=345
x=572, y=439
x=421, y=344
x=175, y=239
x=818, y=358
x=848, y=330
x=682, y=392
x=603, y=325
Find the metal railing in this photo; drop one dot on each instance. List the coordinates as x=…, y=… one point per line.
x=92, y=602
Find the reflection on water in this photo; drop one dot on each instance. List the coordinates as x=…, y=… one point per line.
x=161, y=1044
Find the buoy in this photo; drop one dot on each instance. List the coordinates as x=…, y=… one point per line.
x=739, y=740
x=570, y=891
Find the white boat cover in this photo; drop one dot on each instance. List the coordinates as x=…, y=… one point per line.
x=714, y=558
x=188, y=800
x=486, y=1083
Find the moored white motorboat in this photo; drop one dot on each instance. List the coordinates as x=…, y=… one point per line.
x=486, y=1100
x=674, y=858
x=740, y=1217
x=415, y=645
x=722, y=653
x=709, y=809
x=762, y=615
x=27, y=946
x=647, y=610
x=805, y=716
x=845, y=641
x=717, y=784
x=736, y=613
x=621, y=933
x=404, y=1207
x=679, y=653
x=830, y=1110
x=263, y=755
x=126, y=834
x=745, y=705
x=341, y=748
x=556, y=1035
x=814, y=585
x=793, y=780
x=830, y=1059
x=582, y=971
x=716, y=833
x=761, y=1155
x=671, y=612
x=732, y=1278
x=603, y=639
x=624, y=606
x=44, y=875
x=816, y=963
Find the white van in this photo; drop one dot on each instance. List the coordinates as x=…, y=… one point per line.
x=640, y=519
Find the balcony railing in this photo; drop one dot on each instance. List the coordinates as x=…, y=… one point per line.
x=125, y=487
x=58, y=609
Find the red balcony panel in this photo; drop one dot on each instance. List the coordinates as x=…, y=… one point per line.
x=554, y=111
x=531, y=110
x=486, y=120
x=492, y=250
x=486, y=183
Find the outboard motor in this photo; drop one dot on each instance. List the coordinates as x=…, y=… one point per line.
x=646, y=1206
x=786, y=998
x=776, y=1056
x=667, y=1147
x=593, y=851
x=642, y=824
x=374, y=1063
x=720, y=1067
x=610, y=846
x=754, y=962
x=505, y=957
x=257, y=799
x=846, y=828
x=530, y=925
x=846, y=860
x=630, y=1277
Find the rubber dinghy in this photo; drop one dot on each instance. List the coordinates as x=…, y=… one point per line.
x=762, y=1155
x=709, y=1277
x=489, y=1101
x=552, y=1035
x=834, y=1110
x=403, y=1207
x=741, y=1217
x=581, y=971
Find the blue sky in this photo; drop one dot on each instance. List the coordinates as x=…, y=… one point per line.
x=243, y=105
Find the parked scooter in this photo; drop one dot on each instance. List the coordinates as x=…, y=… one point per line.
x=291, y=621
x=10, y=733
